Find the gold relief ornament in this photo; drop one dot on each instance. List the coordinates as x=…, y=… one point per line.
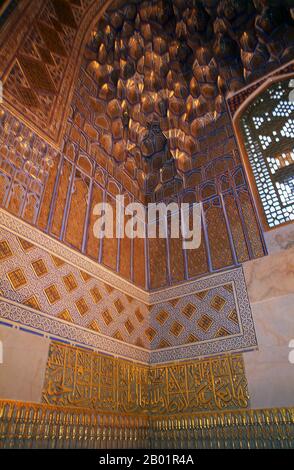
x=76, y=377
x=23, y=423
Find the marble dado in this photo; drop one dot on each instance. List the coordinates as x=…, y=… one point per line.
x=271, y=276
x=281, y=238
x=269, y=372
x=23, y=366
x=270, y=285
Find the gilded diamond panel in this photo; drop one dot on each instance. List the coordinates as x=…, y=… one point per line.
x=70, y=282
x=82, y=306
x=65, y=315
x=139, y=315
x=205, y=322
x=107, y=317
x=189, y=310
x=94, y=326
x=17, y=278
x=176, y=328
x=33, y=302
x=218, y=303
x=96, y=295
x=52, y=294
x=57, y=261
x=150, y=333
x=5, y=250
x=162, y=316
x=26, y=246
x=119, y=306
x=39, y=267
x=129, y=326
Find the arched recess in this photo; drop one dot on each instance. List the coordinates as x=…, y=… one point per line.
x=27, y=44
x=264, y=127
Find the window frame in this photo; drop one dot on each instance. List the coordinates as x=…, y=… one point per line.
x=236, y=121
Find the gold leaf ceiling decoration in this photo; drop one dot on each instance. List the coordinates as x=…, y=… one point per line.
x=164, y=68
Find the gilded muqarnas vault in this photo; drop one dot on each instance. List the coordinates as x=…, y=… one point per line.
x=139, y=342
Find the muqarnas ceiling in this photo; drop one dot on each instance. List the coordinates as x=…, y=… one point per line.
x=163, y=70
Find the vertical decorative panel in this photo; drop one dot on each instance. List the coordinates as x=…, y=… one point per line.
x=157, y=262
x=77, y=210
x=93, y=243
x=16, y=198
x=197, y=259
x=48, y=194
x=4, y=186
x=236, y=228
x=139, y=257
x=176, y=256
x=109, y=245
x=60, y=201
x=31, y=208
x=219, y=243
x=125, y=256
x=251, y=224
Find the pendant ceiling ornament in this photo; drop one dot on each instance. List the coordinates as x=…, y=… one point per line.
x=164, y=68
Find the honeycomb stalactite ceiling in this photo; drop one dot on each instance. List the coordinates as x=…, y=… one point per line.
x=163, y=70
x=139, y=110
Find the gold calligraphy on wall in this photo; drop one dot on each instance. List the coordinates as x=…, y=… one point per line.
x=217, y=383
x=77, y=377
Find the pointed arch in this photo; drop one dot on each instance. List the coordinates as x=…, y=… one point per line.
x=253, y=118
x=39, y=64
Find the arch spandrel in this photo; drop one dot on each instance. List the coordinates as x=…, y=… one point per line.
x=41, y=60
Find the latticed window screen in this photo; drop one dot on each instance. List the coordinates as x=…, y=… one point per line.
x=268, y=131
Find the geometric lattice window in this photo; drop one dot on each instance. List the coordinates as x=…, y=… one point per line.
x=267, y=126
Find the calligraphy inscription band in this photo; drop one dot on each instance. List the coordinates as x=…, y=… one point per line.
x=75, y=377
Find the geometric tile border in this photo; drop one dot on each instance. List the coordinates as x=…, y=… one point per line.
x=60, y=330
x=56, y=328
x=244, y=339
x=70, y=256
